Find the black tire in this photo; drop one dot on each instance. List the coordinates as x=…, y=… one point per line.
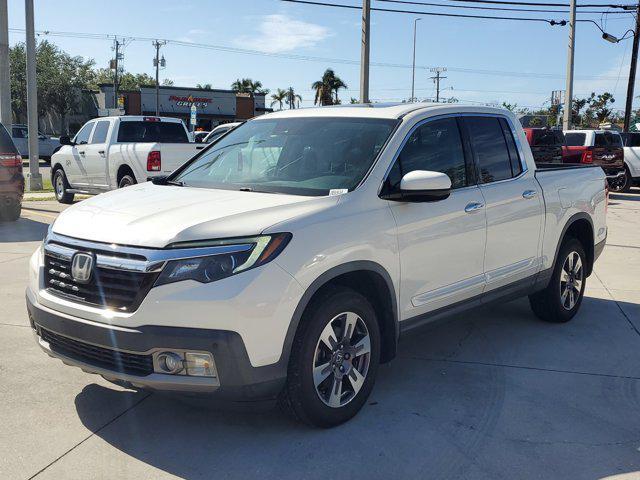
x=624, y=185
x=548, y=304
x=126, y=181
x=61, y=187
x=11, y=212
x=300, y=397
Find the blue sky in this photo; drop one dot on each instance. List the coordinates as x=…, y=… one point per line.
x=526, y=59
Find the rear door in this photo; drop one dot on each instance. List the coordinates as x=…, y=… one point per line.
x=95, y=155
x=20, y=136
x=513, y=201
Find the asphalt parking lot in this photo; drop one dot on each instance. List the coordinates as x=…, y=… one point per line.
x=491, y=394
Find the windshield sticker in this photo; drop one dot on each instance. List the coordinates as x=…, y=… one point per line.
x=337, y=191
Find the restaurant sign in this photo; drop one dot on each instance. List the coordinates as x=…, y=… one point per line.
x=199, y=102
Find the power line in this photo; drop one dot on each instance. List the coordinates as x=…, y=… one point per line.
x=538, y=4
x=434, y=14
x=428, y=4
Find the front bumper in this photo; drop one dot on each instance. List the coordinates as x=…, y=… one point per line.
x=237, y=379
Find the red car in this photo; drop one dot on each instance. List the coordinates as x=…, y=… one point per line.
x=11, y=178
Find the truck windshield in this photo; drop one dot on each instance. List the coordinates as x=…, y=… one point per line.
x=299, y=156
x=160, y=132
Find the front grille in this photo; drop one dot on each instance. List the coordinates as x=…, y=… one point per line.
x=108, y=288
x=129, y=363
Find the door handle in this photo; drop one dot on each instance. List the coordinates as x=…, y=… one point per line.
x=81, y=153
x=529, y=194
x=200, y=148
x=101, y=152
x=473, y=207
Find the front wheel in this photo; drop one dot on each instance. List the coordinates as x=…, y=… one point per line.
x=560, y=301
x=61, y=187
x=334, y=359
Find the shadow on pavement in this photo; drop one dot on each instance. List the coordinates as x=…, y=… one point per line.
x=23, y=230
x=482, y=396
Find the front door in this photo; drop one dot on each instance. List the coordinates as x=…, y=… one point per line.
x=513, y=198
x=441, y=243
x=74, y=164
x=95, y=156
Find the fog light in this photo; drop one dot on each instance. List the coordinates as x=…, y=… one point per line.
x=170, y=362
x=200, y=364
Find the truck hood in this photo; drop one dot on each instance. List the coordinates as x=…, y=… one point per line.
x=150, y=215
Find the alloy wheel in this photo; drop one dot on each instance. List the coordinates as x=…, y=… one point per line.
x=59, y=186
x=571, y=277
x=341, y=359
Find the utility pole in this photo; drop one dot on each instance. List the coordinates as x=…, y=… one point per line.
x=5, y=82
x=632, y=72
x=116, y=46
x=437, y=78
x=34, y=179
x=158, y=62
x=413, y=68
x=364, y=52
x=568, y=98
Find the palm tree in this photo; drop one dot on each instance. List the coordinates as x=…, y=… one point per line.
x=327, y=87
x=246, y=85
x=292, y=97
x=206, y=86
x=279, y=97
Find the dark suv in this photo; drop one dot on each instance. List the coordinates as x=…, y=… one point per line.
x=11, y=178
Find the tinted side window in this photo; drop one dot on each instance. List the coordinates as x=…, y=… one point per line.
x=633, y=140
x=19, y=132
x=615, y=140
x=100, y=133
x=575, y=139
x=434, y=146
x=6, y=144
x=490, y=148
x=514, y=157
x=83, y=135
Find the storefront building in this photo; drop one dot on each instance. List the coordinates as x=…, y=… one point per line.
x=213, y=106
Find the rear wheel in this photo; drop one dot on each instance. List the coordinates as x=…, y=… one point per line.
x=334, y=359
x=624, y=184
x=560, y=301
x=126, y=181
x=61, y=187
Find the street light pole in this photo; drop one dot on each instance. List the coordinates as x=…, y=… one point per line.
x=413, y=68
x=566, y=121
x=364, y=52
x=156, y=62
x=5, y=82
x=34, y=179
x=632, y=72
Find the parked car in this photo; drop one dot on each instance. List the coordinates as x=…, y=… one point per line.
x=199, y=136
x=597, y=147
x=115, y=152
x=286, y=259
x=11, y=178
x=631, y=160
x=546, y=144
x=47, y=146
x=220, y=130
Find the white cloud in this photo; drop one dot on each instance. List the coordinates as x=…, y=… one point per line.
x=281, y=33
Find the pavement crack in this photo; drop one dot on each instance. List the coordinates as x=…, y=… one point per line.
x=624, y=314
x=520, y=367
x=91, y=435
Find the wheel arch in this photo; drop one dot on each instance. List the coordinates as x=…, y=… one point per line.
x=366, y=277
x=122, y=170
x=579, y=226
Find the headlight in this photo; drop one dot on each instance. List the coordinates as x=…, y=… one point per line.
x=210, y=268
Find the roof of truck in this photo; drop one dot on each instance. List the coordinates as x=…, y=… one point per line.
x=380, y=110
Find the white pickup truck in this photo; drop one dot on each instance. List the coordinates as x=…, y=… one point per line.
x=115, y=152
x=285, y=260
x=631, y=160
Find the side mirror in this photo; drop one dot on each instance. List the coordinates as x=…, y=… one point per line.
x=421, y=186
x=65, y=140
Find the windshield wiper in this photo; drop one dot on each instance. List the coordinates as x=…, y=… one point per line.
x=164, y=180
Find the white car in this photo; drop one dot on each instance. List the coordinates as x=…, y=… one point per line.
x=220, y=130
x=115, y=152
x=286, y=260
x=631, y=160
x=47, y=146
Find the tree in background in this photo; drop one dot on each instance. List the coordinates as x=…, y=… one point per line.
x=293, y=98
x=600, y=108
x=246, y=85
x=59, y=76
x=205, y=86
x=126, y=80
x=327, y=88
x=354, y=100
x=278, y=98
x=167, y=82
